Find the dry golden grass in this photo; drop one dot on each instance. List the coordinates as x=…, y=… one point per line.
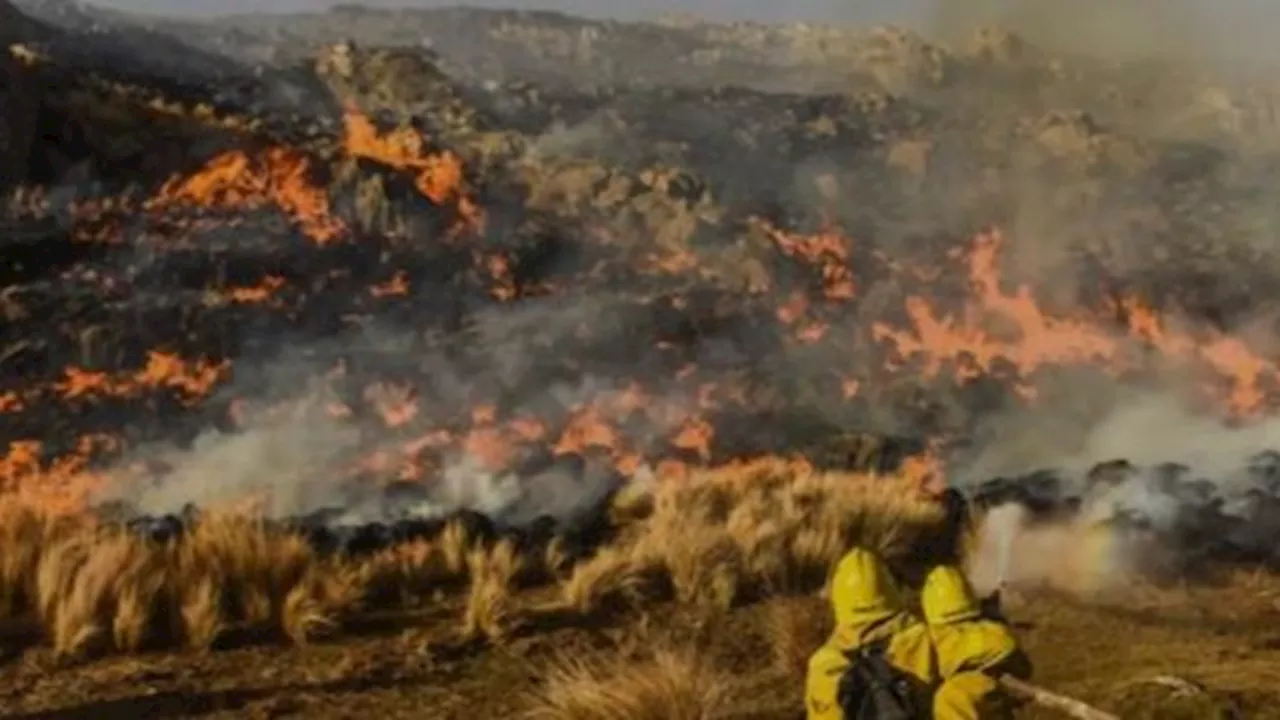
x=665, y=685
x=100, y=589
x=490, y=603
x=746, y=531
x=722, y=537
x=614, y=573
x=795, y=626
x=23, y=536
x=410, y=573
x=758, y=538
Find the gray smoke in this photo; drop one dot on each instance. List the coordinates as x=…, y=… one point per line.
x=294, y=456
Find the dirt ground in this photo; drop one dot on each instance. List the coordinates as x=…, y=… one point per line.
x=1142, y=653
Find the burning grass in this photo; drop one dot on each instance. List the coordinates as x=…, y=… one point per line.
x=727, y=536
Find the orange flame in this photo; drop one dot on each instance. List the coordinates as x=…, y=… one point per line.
x=397, y=404
x=254, y=294
x=11, y=402
x=61, y=485
x=587, y=429
x=829, y=250
x=1032, y=339
x=236, y=181
x=193, y=380
x=696, y=435
x=398, y=285
x=439, y=176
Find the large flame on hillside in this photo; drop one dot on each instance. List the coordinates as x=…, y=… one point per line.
x=995, y=329
x=236, y=181
x=282, y=177
x=437, y=175
x=1032, y=339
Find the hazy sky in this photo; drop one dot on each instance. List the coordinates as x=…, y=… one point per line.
x=1240, y=13
x=1233, y=27
x=862, y=10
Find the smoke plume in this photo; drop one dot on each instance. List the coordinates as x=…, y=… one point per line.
x=295, y=452
x=1069, y=555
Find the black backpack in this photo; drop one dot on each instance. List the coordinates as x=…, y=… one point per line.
x=872, y=689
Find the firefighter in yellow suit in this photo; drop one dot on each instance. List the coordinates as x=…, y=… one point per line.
x=949, y=648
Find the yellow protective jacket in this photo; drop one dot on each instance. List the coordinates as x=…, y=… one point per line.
x=952, y=652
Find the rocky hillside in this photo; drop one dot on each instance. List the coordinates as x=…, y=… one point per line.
x=556, y=264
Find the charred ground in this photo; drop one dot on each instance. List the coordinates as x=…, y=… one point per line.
x=250, y=262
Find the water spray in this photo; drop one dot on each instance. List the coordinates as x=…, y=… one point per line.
x=1009, y=520
x=1001, y=527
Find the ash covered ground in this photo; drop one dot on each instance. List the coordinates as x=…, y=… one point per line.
x=506, y=260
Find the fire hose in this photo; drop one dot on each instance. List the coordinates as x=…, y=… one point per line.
x=1053, y=701
x=1033, y=693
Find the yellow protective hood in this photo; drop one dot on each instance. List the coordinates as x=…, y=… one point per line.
x=863, y=593
x=947, y=597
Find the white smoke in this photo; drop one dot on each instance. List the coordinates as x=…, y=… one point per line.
x=292, y=455
x=1075, y=554
x=1188, y=494
x=506, y=498
x=287, y=463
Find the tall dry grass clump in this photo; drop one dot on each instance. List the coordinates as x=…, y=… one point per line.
x=95, y=589
x=100, y=590
x=490, y=607
x=24, y=533
x=615, y=574
x=664, y=685
x=409, y=573
x=232, y=572
x=748, y=530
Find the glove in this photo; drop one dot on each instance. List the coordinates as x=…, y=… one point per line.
x=991, y=607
